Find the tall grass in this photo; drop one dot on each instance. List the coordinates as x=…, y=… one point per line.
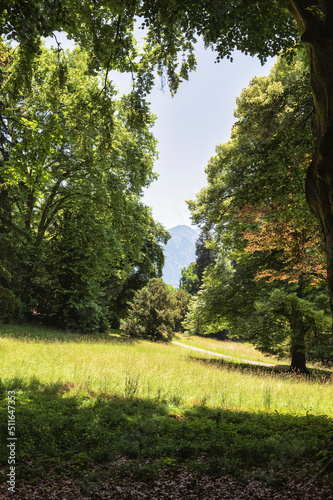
x=238, y=350
x=111, y=367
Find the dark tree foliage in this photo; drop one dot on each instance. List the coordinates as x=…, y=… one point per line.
x=9, y=303
x=206, y=256
x=182, y=300
x=119, y=293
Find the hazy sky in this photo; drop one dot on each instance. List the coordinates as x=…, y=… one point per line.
x=189, y=127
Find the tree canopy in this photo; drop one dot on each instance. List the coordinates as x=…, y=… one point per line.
x=189, y=281
x=105, y=29
x=255, y=205
x=72, y=172
x=256, y=182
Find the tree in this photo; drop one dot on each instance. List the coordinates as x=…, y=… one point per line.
x=191, y=276
x=256, y=180
x=149, y=264
x=205, y=254
x=292, y=319
x=189, y=281
x=9, y=303
x=263, y=166
x=182, y=300
x=262, y=28
x=278, y=317
x=73, y=171
x=207, y=314
x=296, y=245
x=255, y=204
x=151, y=314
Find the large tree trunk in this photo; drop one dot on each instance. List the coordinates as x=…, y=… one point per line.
x=298, y=334
x=298, y=347
x=297, y=351
x=315, y=21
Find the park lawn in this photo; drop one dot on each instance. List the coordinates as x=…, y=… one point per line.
x=83, y=399
x=238, y=350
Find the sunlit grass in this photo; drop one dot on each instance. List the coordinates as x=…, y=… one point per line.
x=164, y=372
x=238, y=350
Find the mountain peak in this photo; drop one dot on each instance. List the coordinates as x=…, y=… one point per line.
x=184, y=229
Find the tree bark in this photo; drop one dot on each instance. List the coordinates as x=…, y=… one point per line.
x=297, y=351
x=315, y=21
x=298, y=347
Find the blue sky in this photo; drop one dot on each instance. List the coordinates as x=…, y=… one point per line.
x=190, y=125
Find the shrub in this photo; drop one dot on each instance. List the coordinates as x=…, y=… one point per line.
x=152, y=313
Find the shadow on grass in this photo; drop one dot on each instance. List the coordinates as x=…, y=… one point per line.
x=55, y=429
x=41, y=333
x=282, y=370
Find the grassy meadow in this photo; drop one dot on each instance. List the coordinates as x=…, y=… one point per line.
x=237, y=350
x=84, y=399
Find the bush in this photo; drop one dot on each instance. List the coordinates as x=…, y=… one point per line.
x=152, y=313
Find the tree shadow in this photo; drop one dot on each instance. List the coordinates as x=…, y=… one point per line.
x=70, y=437
x=282, y=370
x=54, y=427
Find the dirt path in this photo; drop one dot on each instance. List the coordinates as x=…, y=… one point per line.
x=257, y=363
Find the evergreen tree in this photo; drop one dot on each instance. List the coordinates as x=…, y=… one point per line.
x=205, y=255
x=152, y=313
x=182, y=300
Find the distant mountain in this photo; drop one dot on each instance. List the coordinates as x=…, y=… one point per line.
x=179, y=252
